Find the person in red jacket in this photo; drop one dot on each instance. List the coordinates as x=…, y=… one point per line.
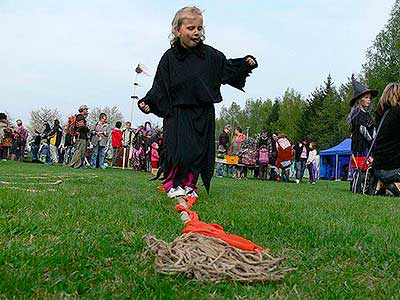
x=284, y=158
x=116, y=142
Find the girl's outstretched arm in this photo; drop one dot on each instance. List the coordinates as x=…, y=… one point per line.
x=236, y=70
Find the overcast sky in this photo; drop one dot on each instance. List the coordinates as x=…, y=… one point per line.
x=61, y=54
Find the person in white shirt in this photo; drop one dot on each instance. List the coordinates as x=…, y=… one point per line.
x=312, y=163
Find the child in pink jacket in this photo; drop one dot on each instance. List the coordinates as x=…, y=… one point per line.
x=155, y=157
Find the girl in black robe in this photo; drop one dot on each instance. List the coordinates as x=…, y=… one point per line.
x=362, y=125
x=185, y=88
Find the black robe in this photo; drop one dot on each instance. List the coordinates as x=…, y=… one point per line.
x=359, y=143
x=186, y=86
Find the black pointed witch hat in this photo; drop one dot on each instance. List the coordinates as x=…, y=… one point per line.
x=360, y=90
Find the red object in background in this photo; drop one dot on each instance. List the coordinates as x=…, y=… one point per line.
x=357, y=162
x=216, y=231
x=116, y=138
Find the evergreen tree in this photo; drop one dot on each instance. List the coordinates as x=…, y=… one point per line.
x=322, y=116
x=232, y=115
x=256, y=113
x=273, y=117
x=345, y=92
x=290, y=114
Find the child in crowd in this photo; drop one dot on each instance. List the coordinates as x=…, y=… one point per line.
x=137, y=157
x=263, y=158
x=312, y=163
x=35, y=145
x=186, y=86
x=116, y=142
x=155, y=157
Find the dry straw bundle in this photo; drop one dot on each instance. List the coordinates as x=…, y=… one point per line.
x=209, y=259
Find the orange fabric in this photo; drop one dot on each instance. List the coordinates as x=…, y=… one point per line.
x=216, y=231
x=191, y=200
x=161, y=188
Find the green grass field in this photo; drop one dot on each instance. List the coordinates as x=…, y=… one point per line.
x=82, y=239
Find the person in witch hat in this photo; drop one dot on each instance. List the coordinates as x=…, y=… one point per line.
x=361, y=123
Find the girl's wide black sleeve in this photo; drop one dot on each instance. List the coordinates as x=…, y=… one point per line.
x=157, y=98
x=236, y=70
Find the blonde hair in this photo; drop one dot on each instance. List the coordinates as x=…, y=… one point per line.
x=178, y=19
x=390, y=96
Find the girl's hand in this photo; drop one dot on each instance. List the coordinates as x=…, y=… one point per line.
x=250, y=61
x=144, y=107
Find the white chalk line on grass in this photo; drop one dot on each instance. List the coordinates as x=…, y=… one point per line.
x=35, y=183
x=46, y=176
x=27, y=190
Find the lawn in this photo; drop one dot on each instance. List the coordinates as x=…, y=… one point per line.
x=83, y=238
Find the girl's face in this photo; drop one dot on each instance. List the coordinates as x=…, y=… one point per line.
x=365, y=101
x=191, y=31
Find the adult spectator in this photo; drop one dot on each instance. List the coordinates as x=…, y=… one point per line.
x=284, y=157
x=301, y=150
x=147, y=127
x=21, y=136
x=360, y=121
x=223, y=142
x=55, y=137
x=5, y=137
x=127, y=139
x=99, y=142
x=386, y=154
x=127, y=135
x=237, y=140
x=46, y=136
x=81, y=139
x=264, y=140
x=116, y=143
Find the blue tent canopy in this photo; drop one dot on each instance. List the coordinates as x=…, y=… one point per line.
x=334, y=161
x=344, y=148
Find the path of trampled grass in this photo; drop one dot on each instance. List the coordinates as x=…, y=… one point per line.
x=84, y=239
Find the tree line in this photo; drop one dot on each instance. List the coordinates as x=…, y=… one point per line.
x=322, y=116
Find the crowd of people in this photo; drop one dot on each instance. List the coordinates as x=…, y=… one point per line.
x=269, y=156
x=80, y=145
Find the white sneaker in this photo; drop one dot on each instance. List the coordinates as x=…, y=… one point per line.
x=297, y=181
x=176, y=192
x=190, y=192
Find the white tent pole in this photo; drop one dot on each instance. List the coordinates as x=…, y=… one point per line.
x=123, y=159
